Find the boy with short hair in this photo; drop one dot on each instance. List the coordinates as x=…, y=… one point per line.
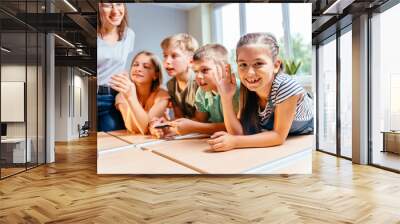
x=209, y=62
x=178, y=53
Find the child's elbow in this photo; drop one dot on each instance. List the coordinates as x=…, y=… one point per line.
x=279, y=142
x=280, y=139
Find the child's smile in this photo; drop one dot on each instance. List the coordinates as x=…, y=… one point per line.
x=137, y=75
x=142, y=69
x=253, y=81
x=256, y=67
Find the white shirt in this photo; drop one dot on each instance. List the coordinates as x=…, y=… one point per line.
x=114, y=58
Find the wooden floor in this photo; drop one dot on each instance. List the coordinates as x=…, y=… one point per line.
x=70, y=191
x=10, y=171
x=387, y=159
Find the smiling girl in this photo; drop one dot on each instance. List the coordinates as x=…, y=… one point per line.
x=272, y=104
x=140, y=97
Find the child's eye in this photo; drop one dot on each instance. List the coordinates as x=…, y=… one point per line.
x=258, y=64
x=135, y=64
x=205, y=70
x=242, y=65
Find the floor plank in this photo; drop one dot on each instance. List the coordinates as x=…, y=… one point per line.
x=70, y=191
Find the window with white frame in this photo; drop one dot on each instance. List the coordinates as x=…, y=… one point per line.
x=289, y=23
x=227, y=27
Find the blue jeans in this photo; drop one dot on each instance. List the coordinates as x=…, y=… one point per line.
x=109, y=118
x=297, y=127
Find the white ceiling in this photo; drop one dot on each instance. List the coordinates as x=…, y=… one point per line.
x=180, y=6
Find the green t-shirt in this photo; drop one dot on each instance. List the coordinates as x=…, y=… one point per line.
x=210, y=102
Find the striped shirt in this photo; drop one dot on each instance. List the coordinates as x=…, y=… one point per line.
x=282, y=88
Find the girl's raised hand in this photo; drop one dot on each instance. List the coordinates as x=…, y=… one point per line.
x=222, y=141
x=122, y=83
x=226, y=81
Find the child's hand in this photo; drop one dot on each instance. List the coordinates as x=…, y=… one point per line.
x=226, y=81
x=158, y=132
x=222, y=141
x=122, y=83
x=182, y=126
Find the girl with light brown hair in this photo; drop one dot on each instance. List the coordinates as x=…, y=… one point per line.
x=140, y=97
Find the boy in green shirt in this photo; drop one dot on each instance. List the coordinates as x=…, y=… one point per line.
x=209, y=62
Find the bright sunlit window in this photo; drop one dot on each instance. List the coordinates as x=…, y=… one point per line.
x=385, y=84
x=230, y=25
x=293, y=33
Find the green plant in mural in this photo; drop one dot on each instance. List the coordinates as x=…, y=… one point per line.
x=301, y=51
x=291, y=67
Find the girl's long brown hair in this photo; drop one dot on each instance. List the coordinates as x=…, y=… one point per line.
x=248, y=102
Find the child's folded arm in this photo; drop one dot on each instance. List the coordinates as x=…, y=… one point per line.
x=201, y=125
x=232, y=123
x=284, y=115
x=208, y=128
x=139, y=116
x=160, y=104
x=263, y=139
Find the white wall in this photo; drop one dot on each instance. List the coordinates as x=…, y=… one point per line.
x=61, y=103
x=154, y=23
x=79, y=117
x=69, y=82
x=199, y=23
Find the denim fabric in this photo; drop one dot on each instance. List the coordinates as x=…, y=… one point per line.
x=297, y=128
x=109, y=118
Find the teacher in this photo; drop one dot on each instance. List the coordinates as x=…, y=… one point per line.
x=115, y=42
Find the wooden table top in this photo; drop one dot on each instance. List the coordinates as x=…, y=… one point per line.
x=107, y=142
x=131, y=156
x=138, y=161
x=196, y=154
x=132, y=138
